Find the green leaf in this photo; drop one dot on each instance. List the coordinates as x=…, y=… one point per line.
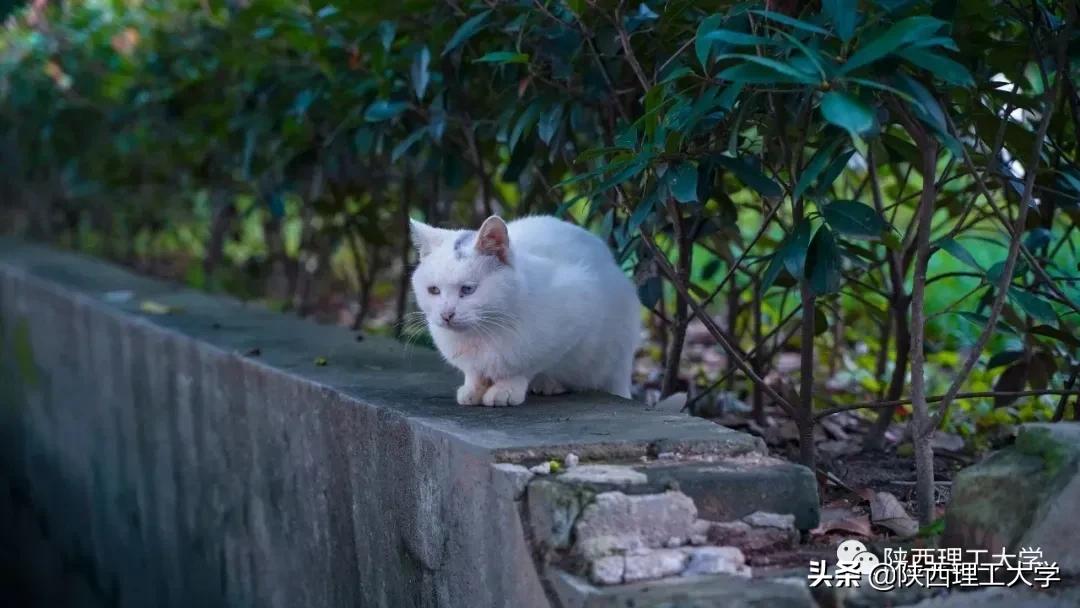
x=524, y=123
x=709, y=270
x=843, y=14
x=751, y=73
x=1034, y=305
x=776, y=264
x=774, y=65
x=606, y=225
x=387, y=29
x=941, y=67
x=503, y=57
x=811, y=55
x=835, y=167
x=467, y=30
x=821, y=322
x=627, y=138
x=641, y=213
x=943, y=41
x=682, y=180
x=1004, y=358
x=813, y=169
x=384, y=110
x=794, y=250
x=852, y=218
x=749, y=175
x=419, y=72
x=407, y=143
x=982, y=320
x=795, y=23
x=650, y=292
x=1011, y=380
x=995, y=271
x=823, y=263
x=900, y=34
x=549, y=122
x=627, y=172
x=1058, y=334
x=702, y=45
x=957, y=250
x=847, y=112
x=740, y=38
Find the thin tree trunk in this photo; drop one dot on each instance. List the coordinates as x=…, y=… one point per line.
x=805, y=417
x=876, y=437
x=224, y=212
x=921, y=422
x=682, y=312
x=732, y=321
x=758, y=402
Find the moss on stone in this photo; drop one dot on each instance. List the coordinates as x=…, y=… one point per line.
x=1041, y=441
x=24, y=354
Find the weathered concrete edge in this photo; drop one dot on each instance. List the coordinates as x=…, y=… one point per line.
x=507, y=434
x=68, y=469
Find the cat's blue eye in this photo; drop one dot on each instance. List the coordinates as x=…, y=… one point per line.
x=467, y=289
x=433, y=290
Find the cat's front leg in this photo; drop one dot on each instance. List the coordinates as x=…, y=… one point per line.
x=472, y=391
x=544, y=384
x=508, y=391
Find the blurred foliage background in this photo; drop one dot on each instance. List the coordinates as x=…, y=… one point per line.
x=829, y=206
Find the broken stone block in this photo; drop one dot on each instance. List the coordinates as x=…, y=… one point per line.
x=511, y=479
x=654, y=518
x=603, y=474
x=1022, y=496
x=762, y=519
x=750, y=539
x=732, y=488
x=654, y=564
x=599, y=546
x=553, y=508
x=715, y=560
x=607, y=570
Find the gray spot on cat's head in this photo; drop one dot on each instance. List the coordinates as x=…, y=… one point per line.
x=460, y=249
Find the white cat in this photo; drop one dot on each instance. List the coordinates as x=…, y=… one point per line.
x=539, y=305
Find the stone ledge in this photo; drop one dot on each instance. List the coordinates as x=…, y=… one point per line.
x=185, y=471
x=379, y=372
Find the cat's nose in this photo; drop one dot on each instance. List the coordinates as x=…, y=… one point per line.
x=447, y=317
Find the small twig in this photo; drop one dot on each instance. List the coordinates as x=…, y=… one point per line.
x=710, y=324
x=873, y=405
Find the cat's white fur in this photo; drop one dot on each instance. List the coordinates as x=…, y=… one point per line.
x=549, y=309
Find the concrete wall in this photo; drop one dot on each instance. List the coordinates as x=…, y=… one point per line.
x=204, y=458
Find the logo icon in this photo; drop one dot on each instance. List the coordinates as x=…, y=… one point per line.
x=853, y=557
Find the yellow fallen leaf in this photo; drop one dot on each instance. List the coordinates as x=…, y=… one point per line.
x=151, y=307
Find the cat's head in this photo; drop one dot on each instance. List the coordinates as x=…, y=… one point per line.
x=465, y=280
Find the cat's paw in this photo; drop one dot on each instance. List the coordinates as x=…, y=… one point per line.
x=546, y=385
x=506, y=392
x=470, y=395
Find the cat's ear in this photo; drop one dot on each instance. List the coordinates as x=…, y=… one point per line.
x=494, y=239
x=426, y=238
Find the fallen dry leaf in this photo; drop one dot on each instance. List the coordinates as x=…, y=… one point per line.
x=866, y=493
x=886, y=511
x=836, y=519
